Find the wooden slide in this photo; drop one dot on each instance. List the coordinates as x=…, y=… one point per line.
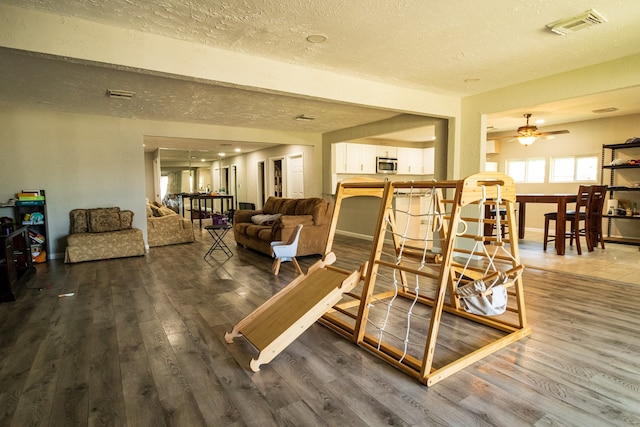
x=285, y=316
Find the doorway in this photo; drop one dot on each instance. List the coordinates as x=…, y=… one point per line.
x=224, y=184
x=261, y=184
x=277, y=186
x=233, y=188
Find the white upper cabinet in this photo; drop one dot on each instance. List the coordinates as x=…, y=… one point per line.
x=386, y=151
x=361, y=159
x=354, y=158
x=429, y=160
x=339, y=157
x=410, y=161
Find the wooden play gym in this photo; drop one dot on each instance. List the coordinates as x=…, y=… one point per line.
x=441, y=289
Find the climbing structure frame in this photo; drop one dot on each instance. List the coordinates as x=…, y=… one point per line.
x=434, y=251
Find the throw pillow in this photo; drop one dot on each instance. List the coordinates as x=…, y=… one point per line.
x=165, y=211
x=104, y=219
x=262, y=219
x=126, y=220
x=155, y=209
x=79, y=223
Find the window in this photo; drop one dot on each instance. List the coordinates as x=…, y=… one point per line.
x=573, y=169
x=529, y=170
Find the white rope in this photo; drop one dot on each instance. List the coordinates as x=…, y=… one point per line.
x=435, y=222
x=491, y=266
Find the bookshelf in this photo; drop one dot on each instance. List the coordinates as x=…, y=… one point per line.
x=30, y=211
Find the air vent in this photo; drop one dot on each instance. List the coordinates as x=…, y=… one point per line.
x=579, y=22
x=304, y=118
x=121, y=94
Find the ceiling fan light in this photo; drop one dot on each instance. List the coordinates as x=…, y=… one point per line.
x=526, y=140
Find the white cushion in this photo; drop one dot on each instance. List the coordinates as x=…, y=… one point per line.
x=263, y=219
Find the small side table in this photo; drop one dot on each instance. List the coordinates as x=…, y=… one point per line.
x=218, y=231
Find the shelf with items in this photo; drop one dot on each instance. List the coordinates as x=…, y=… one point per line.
x=621, y=162
x=277, y=178
x=623, y=166
x=30, y=211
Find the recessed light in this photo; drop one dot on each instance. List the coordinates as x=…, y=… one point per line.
x=221, y=154
x=237, y=150
x=316, y=38
x=539, y=121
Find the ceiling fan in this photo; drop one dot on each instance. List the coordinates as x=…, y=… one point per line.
x=529, y=133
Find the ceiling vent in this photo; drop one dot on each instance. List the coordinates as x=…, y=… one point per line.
x=579, y=22
x=303, y=118
x=121, y=94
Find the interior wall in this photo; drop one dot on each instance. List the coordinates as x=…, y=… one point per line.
x=467, y=155
x=85, y=161
x=81, y=161
x=584, y=138
x=312, y=169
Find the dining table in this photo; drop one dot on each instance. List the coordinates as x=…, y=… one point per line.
x=560, y=200
x=198, y=205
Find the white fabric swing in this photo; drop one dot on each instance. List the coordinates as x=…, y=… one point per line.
x=487, y=296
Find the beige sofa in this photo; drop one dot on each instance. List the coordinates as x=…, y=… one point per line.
x=102, y=233
x=256, y=229
x=166, y=227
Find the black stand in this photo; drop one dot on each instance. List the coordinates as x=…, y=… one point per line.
x=218, y=231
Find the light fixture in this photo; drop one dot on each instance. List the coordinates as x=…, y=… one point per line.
x=237, y=150
x=526, y=140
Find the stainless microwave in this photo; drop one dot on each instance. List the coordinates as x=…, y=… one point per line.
x=386, y=165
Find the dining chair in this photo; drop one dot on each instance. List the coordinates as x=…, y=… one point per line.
x=286, y=251
x=575, y=218
x=503, y=220
x=598, y=195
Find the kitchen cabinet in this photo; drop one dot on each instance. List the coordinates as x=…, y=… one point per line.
x=386, y=151
x=429, y=160
x=355, y=158
x=410, y=161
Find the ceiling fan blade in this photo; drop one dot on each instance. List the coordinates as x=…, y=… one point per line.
x=553, y=132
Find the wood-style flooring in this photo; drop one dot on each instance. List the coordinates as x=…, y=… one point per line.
x=140, y=343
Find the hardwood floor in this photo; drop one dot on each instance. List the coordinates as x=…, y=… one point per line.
x=140, y=343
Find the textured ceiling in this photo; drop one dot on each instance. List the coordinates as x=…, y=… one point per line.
x=430, y=44
x=461, y=48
